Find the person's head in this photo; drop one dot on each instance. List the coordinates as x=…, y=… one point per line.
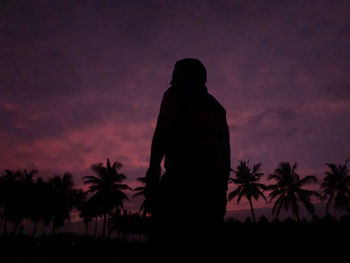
x=189, y=71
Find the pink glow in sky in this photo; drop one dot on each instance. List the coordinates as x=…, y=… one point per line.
x=82, y=81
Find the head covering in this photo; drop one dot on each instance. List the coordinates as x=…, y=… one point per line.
x=189, y=71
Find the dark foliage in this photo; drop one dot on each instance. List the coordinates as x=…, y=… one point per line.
x=248, y=185
x=336, y=187
x=289, y=190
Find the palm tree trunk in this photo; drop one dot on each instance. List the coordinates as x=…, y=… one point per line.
x=251, y=208
x=104, y=225
x=35, y=226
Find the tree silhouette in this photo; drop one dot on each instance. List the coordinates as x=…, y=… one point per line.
x=140, y=191
x=125, y=223
x=62, y=200
x=336, y=187
x=39, y=201
x=31, y=197
x=288, y=190
x=88, y=210
x=107, y=188
x=248, y=185
x=12, y=198
x=95, y=209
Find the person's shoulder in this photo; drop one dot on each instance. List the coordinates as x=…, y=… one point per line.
x=169, y=92
x=215, y=104
x=169, y=97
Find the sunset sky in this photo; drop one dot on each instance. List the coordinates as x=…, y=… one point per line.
x=82, y=81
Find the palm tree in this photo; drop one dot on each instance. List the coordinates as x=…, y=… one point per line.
x=289, y=190
x=336, y=187
x=61, y=200
x=12, y=198
x=87, y=210
x=107, y=188
x=94, y=208
x=140, y=191
x=39, y=202
x=30, y=197
x=248, y=186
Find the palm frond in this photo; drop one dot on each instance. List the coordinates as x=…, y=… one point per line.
x=234, y=193
x=139, y=193
x=123, y=186
x=276, y=177
x=306, y=202
x=276, y=192
x=308, y=180
x=261, y=194
x=278, y=205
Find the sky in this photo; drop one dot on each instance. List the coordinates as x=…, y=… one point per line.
x=82, y=81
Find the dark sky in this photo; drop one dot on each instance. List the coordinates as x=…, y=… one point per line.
x=81, y=81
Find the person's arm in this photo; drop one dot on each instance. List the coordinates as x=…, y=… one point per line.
x=157, y=149
x=225, y=138
x=227, y=150
x=159, y=136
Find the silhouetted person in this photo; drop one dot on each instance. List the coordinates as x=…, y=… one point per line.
x=189, y=201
